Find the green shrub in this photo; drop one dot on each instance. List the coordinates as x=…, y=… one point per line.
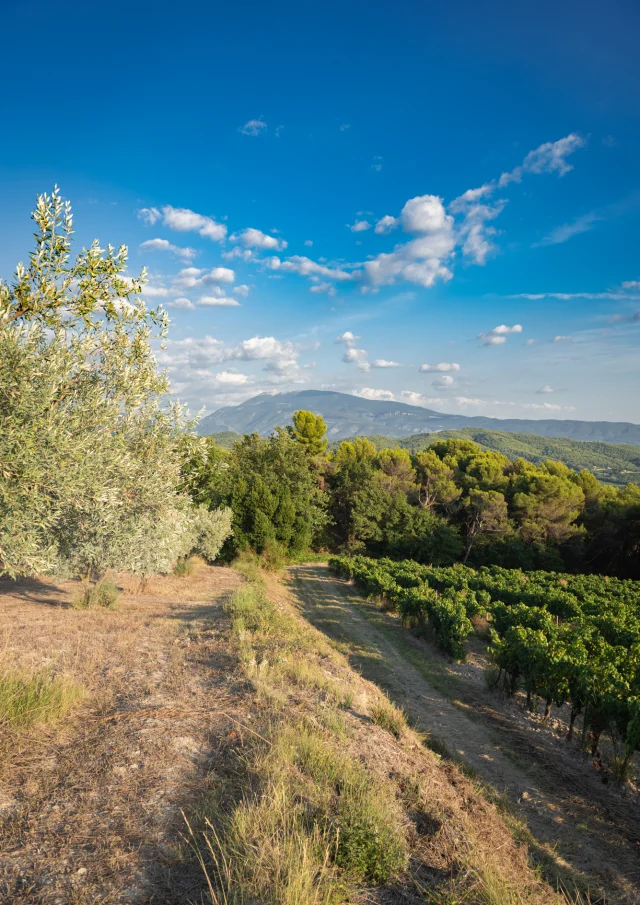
x=40, y=697
x=369, y=845
x=389, y=717
x=104, y=594
x=185, y=567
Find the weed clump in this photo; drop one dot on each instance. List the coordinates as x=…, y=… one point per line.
x=104, y=594
x=389, y=717
x=39, y=697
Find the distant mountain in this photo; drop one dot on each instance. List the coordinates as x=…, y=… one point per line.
x=613, y=463
x=348, y=416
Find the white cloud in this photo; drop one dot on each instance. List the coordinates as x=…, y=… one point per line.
x=244, y=254
x=443, y=382
x=217, y=301
x=549, y=157
x=194, y=277
x=568, y=230
x=414, y=398
x=347, y=338
x=308, y=242
x=424, y=214
x=255, y=238
x=498, y=335
x=383, y=363
x=356, y=356
x=151, y=291
x=150, y=215
x=184, y=220
x=547, y=388
x=466, y=400
x=470, y=196
x=562, y=339
x=442, y=366
x=530, y=342
x=323, y=287
x=253, y=127
x=370, y=393
x=360, y=226
x=386, y=224
x=232, y=378
x=307, y=268
x=548, y=407
x=631, y=284
x=242, y=290
x=181, y=304
x=185, y=254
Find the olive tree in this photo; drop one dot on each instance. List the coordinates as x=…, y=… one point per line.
x=90, y=450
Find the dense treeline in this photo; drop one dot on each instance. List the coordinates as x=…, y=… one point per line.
x=453, y=501
x=564, y=638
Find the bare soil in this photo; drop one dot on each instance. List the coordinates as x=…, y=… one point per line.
x=90, y=809
x=583, y=831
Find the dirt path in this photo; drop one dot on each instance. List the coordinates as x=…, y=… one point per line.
x=90, y=809
x=591, y=832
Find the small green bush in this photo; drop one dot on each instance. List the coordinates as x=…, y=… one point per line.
x=40, y=697
x=368, y=843
x=184, y=567
x=389, y=717
x=104, y=594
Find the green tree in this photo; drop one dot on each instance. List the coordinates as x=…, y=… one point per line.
x=549, y=508
x=310, y=431
x=486, y=515
x=436, y=486
x=274, y=495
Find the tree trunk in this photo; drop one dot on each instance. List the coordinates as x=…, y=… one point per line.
x=547, y=708
x=574, y=713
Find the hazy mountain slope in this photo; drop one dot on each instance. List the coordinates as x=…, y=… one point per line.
x=347, y=416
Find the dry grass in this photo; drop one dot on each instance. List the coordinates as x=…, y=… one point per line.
x=389, y=717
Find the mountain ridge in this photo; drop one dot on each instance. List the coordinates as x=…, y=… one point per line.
x=348, y=416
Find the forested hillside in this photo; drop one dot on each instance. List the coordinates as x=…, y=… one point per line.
x=612, y=463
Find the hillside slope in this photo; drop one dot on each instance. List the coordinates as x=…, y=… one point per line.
x=348, y=415
x=610, y=462
x=213, y=699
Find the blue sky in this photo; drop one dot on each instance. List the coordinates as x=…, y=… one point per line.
x=433, y=202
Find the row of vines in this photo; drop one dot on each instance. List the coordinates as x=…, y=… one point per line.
x=567, y=639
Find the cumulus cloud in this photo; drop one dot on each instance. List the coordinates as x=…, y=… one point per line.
x=360, y=226
x=182, y=304
x=442, y=366
x=386, y=224
x=498, y=335
x=196, y=277
x=150, y=215
x=253, y=127
x=547, y=388
x=347, y=338
x=443, y=382
x=414, y=398
x=182, y=219
x=383, y=363
x=254, y=238
x=185, y=254
x=370, y=393
x=243, y=254
x=232, y=378
x=424, y=214
x=356, y=356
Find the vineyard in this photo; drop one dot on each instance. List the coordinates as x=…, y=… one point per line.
x=565, y=639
